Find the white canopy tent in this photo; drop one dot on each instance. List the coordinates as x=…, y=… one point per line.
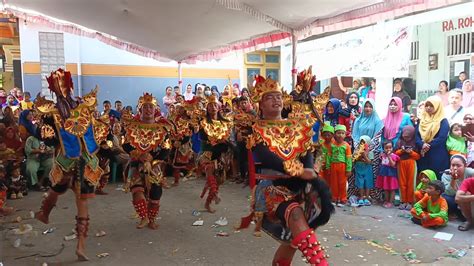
x=189, y=30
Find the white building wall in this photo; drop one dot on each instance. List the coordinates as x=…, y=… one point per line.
x=433, y=40
x=91, y=51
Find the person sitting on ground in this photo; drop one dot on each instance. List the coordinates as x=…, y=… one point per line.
x=432, y=210
x=8, y=119
x=4, y=209
x=120, y=156
x=13, y=141
x=425, y=177
x=26, y=127
x=38, y=155
x=465, y=200
x=10, y=101
x=452, y=179
x=17, y=185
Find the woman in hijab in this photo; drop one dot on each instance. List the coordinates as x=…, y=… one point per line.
x=369, y=124
x=467, y=94
x=8, y=117
x=188, y=94
x=399, y=92
x=26, y=127
x=332, y=114
x=351, y=111
x=215, y=91
x=395, y=121
x=12, y=141
x=431, y=136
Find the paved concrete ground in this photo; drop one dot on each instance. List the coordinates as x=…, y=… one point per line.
x=177, y=242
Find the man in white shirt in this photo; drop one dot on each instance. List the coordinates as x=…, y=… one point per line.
x=454, y=111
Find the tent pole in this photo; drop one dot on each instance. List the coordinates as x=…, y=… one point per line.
x=293, y=56
x=180, y=77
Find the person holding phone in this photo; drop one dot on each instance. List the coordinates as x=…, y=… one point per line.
x=468, y=133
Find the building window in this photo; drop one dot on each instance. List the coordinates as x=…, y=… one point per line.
x=460, y=44
x=51, y=46
x=251, y=72
x=264, y=63
x=273, y=73
x=254, y=58
x=414, y=51
x=272, y=58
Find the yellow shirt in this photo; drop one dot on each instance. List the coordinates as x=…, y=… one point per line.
x=26, y=105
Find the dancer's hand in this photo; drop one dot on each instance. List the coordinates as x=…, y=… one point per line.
x=126, y=188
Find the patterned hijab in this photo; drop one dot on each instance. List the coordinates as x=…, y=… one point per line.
x=430, y=124
x=393, y=120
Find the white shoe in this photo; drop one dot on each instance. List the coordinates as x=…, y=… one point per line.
x=19, y=195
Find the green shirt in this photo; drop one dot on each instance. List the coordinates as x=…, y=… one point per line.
x=32, y=143
x=435, y=209
x=341, y=153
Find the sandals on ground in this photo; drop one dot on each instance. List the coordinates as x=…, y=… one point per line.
x=465, y=226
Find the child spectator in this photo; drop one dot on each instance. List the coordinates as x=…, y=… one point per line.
x=432, y=210
x=364, y=176
x=326, y=142
x=26, y=104
x=4, y=210
x=17, y=187
x=387, y=177
x=456, y=143
x=425, y=177
x=341, y=166
x=407, y=166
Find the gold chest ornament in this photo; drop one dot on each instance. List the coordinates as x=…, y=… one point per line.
x=288, y=139
x=183, y=128
x=217, y=131
x=145, y=137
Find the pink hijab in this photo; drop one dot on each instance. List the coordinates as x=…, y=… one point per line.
x=393, y=120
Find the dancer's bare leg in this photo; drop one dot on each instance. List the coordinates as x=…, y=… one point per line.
x=82, y=226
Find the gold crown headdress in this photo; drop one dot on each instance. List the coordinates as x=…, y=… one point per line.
x=147, y=98
x=264, y=86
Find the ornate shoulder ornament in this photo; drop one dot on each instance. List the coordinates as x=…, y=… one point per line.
x=101, y=128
